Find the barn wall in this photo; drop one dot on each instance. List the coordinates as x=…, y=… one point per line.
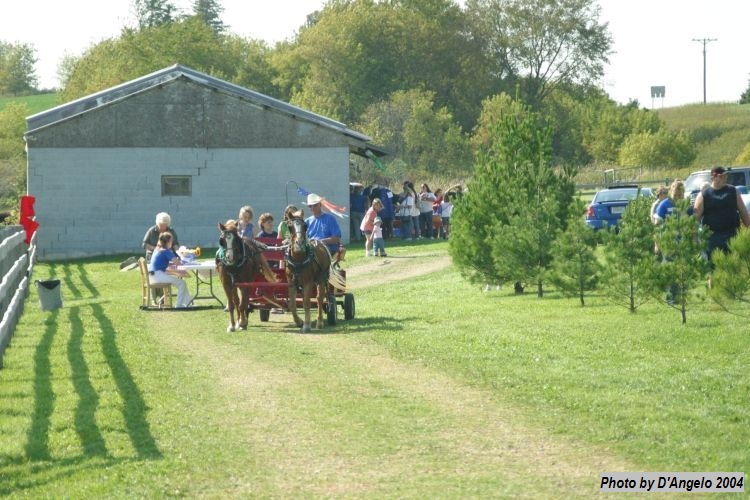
x=183, y=114
x=94, y=201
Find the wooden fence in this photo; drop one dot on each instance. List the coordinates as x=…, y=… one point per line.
x=16, y=264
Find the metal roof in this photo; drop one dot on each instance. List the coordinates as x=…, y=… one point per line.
x=169, y=74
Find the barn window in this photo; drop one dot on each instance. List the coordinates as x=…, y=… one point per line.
x=176, y=185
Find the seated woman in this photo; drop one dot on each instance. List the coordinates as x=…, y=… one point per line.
x=158, y=268
x=151, y=239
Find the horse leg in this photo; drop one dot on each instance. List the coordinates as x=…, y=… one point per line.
x=233, y=300
x=321, y=289
x=306, y=292
x=242, y=308
x=228, y=292
x=293, y=304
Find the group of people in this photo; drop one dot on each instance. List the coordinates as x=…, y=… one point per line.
x=414, y=211
x=718, y=206
x=161, y=244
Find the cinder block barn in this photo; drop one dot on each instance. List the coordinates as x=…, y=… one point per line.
x=182, y=142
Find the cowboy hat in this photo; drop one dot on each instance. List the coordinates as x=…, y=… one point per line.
x=313, y=199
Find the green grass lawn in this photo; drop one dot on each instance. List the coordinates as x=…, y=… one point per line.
x=435, y=389
x=36, y=103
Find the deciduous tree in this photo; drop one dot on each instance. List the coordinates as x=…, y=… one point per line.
x=12, y=152
x=358, y=52
x=542, y=43
x=664, y=148
x=17, y=73
x=409, y=127
x=134, y=53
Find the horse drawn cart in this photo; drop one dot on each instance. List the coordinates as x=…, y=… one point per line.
x=265, y=296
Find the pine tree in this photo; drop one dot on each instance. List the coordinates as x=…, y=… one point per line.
x=629, y=256
x=210, y=11
x=515, y=205
x=575, y=266
x=152, y=13
x=682, y=266
x=731, y=274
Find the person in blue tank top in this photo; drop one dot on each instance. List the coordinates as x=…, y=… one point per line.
x=720, y=208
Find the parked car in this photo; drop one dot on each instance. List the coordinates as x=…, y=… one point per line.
x=608, y=205
x=736, y=176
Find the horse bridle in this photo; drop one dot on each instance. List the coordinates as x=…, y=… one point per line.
x=300, y=243
x=229, y=250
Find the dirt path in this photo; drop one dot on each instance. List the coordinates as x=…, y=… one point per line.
x=380, y=271
x=448, y=427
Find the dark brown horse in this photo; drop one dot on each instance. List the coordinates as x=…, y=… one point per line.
x=308, y=267
x=239, y=261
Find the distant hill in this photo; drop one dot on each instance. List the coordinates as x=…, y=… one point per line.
x=36, y=103
x=720, y=131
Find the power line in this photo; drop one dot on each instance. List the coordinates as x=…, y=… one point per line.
x=704, y=41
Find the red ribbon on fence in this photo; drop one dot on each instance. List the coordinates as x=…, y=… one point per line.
x=27, y=217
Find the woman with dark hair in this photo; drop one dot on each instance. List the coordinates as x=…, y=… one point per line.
x=426, y=200
x=408, y=211
x=161, y=269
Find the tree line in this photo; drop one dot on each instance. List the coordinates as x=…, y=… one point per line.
x=422, y=77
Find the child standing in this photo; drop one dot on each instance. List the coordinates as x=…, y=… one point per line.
x=368, y=222
x=378, y=243
x=446, y=208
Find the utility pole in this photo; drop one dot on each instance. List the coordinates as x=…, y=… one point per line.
x=704, y=41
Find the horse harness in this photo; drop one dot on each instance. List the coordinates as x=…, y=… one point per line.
x=233, y=269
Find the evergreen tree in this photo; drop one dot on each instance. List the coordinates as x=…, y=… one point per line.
x=682, y=266
x=503, y=228
x=210, y=11
x=575, y=267
x=152, y=13
x=731, y=274
x=629, y=256
x=745, y=97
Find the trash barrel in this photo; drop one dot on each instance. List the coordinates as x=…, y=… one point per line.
x=49, y=294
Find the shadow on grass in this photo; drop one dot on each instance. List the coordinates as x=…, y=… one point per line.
x=91, y=438
x=37, y=439
x=283, y=323
x=66, y=272
x=134, y=407
x=49, y=472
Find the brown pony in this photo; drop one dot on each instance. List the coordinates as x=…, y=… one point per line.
x=308, y=266
x=239, y=261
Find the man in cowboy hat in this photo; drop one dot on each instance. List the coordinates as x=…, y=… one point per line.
x=322, y=226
